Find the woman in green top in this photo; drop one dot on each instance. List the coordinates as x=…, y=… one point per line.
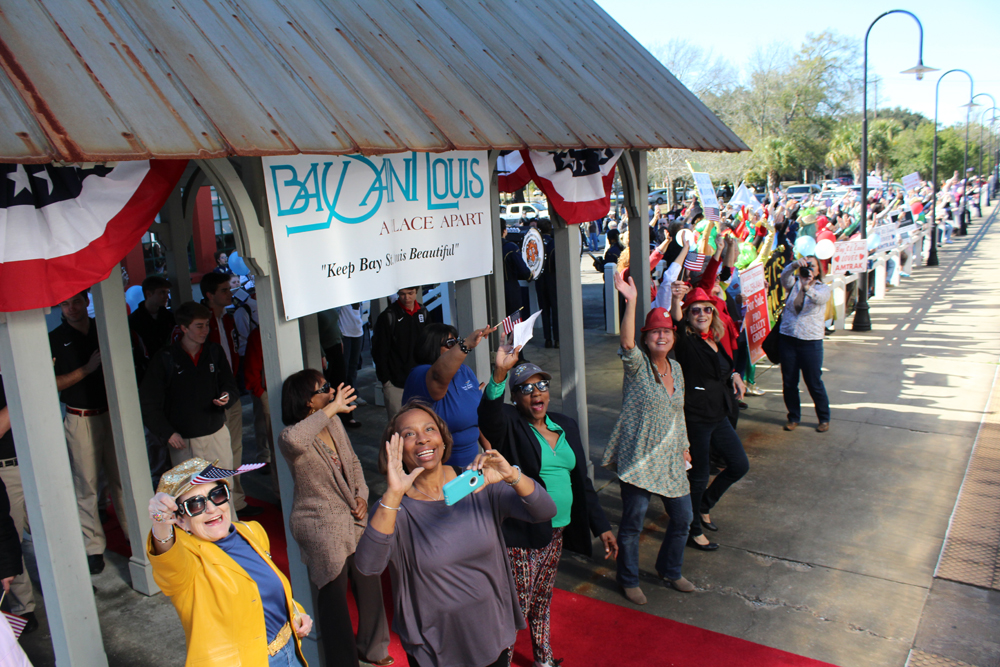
x=648, y=447
x=546, y=446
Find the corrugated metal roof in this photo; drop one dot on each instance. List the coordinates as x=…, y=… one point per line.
x=132, y=79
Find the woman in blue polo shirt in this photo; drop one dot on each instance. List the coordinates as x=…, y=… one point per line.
x=442, y=378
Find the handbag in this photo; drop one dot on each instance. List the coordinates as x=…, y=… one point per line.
x=772, y=343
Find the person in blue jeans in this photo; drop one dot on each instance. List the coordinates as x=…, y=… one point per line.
x=452, y=389
x=802, y=339
x=648, y=447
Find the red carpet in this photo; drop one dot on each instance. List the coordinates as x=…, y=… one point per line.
x=585, y=632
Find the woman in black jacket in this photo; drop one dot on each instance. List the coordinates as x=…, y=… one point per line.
x=712, y=386
x=546, y=447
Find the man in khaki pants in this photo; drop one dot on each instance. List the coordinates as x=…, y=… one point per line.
x=77, y=361
x=186, y=391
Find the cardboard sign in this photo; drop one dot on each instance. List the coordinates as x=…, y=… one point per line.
x=706, y=192
x=888, y=235
x=850, y=256
x=757, y=320
x=874, y=182
x=911, y=181
x=350, y=228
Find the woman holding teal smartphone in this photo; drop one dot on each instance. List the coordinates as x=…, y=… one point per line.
x=548, y=448
x=454, y=597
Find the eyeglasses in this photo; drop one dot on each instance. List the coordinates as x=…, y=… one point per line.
x=542, y=385
x=198, y=504
x=322, y=390
x=698, y=310
x=450, y=343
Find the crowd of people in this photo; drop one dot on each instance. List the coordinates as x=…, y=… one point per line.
x=466, y=575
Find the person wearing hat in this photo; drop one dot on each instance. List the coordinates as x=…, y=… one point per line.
x=234, y=603
x=712, y=387
x=548, y=449
x=648, y=447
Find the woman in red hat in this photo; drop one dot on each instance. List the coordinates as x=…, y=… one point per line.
x=712, y=388
x=649, y=447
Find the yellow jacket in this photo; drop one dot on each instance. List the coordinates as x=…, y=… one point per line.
x=217, y=601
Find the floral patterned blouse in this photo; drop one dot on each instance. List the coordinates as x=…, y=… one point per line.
x=646, y=448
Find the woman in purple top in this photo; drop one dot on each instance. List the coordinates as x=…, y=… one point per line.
x=455, y=600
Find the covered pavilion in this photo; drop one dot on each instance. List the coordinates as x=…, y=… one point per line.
x=221, y=83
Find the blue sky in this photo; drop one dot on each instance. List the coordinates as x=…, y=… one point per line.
x=957, y=34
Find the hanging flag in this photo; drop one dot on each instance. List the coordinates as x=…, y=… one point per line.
x=744, y=197
x=512, y=171
x=576, y=182
x=63, y=229
x=508, y=322
x=694, y=261
x=212, y=474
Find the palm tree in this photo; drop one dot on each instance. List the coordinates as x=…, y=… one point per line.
x=881, y=134
x=845, y=149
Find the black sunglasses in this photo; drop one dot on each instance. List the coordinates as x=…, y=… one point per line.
x=322, y=390
x=450, y=343
x=525, y=389
x=198, y=504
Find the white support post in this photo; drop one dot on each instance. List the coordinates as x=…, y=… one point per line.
x=176, y=240
x=126, y=423
x=572, y=352
x=880, y=273
x=377, y=306
x=497, y=303
x=636, y=191
x=282, y=346
x=40, y=441
x=312, y=351
x=612, y=318
x=894, y=255
x=470, y=296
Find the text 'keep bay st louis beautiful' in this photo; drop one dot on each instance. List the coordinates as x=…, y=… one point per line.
x=348, y=228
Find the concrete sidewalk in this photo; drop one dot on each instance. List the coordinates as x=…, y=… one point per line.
x=829, y=545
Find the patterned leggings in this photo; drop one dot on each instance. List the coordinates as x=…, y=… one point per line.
x=534, y=576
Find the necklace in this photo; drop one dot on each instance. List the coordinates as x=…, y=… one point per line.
x=414, y=487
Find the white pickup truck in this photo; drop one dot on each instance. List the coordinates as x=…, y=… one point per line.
x=511, y=213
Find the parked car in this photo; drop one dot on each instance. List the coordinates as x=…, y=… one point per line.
x=800, y=192
x=658, y=196
x=846, y=180
x=513, y=212
x=831, y=184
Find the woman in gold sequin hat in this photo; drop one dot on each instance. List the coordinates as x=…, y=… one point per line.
x=235, y=605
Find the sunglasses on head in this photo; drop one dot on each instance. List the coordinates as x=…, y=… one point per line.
x=542, y=385
x=198, y=504
x=322, y=390
x=698, y=310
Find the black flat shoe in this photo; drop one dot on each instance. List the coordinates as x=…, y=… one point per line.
x=711, y=546
x=708, y=525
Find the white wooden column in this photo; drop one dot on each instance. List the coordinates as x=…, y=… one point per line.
x=572, y=352
x=126, y=423
x=312, y=351
x=632, y=168
x=281, y=341
x=470, y=296
x=497, y=303
x=30, y=385
x=175, y=239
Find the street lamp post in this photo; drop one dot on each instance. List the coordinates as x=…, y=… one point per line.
x=862, y=319
x=932, y=258
x=993, y=99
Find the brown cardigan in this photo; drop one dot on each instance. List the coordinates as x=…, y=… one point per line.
x=321, y=520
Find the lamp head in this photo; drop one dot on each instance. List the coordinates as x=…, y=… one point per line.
x=920, y=69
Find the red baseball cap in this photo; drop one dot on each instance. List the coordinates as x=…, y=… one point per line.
x=697, y=295
x=658, y=318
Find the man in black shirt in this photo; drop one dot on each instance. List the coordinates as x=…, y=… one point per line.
x=22, y=595
x=77, y=360
x=393, y=342
x=151, y=321
x=186, y=391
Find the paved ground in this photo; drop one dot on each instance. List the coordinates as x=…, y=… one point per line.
x=829, y=545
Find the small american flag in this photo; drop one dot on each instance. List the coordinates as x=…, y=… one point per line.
x=211, y=473
x=712, y=213
x=16, y=623
x=508, y=323
x=694, y=261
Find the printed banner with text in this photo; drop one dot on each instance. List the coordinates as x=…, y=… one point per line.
x=757, y=321
x=348, y=228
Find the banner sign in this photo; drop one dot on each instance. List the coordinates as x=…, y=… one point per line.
x=888, y=235
x=911, y=181
x=349, y=228
x=757, y=321
x=775, y=292
x=706, y=193
x=874, y=182
x=850, y=256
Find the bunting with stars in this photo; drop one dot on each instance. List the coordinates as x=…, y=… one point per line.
x=63, y=229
